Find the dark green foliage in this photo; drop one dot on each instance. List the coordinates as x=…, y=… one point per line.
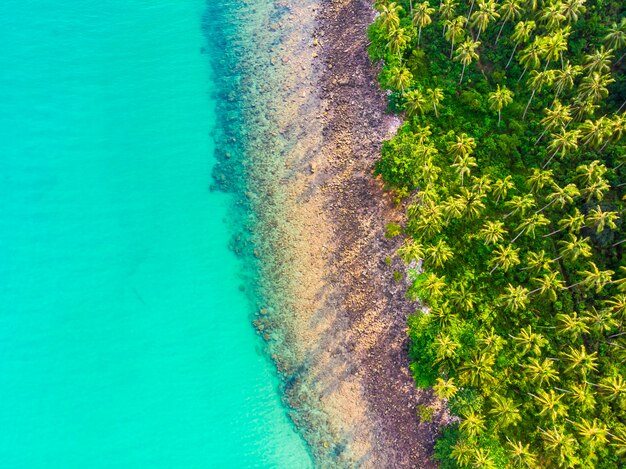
x=515, y=181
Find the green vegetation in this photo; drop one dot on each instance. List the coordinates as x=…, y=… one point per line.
x=512, y=165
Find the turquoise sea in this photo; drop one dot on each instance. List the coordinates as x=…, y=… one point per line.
x=125, y=336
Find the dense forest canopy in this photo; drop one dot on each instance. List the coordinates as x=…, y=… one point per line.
x=511, y=165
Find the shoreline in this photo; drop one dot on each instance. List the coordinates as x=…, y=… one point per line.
x=343, y=344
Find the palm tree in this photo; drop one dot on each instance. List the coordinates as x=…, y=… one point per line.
x=505, y=411
x=580, y=360
x=593, y=133
x=593, y=433
x=554, y=45
x=572, y=325
x=466, y=54
x=492, y=232
x=481, y=185
x=455, y=31
x=599, y=61
x=573, y=223
x=530, y=57
x=520, y=454
x=601, y=219
x=509, y=10
x=434, y=285
x=530, y=225
x=447, y=10
x=486, y=13
x=613, y=386
x=530, y=341
x=572, y=8
x=438, y=254
x=615, y=129
x=421, y=18
x=445, y=347
x=520, y=35
x=564, y=78
x=463, y=165
x=560, y=444
x=445, y=388
x=561, y=196
x=435, y=96
x=461, y=296
x=552, y=15
x=400, y=78
x=411, y=251
x=389, y=16
x=574, y=247
x=539, y=178
x=462, y=452
x=398, y=40
x=538, y=261
x=478, y=369
x=592, y=172
x=499, y=99
x=616, y=37
x=414, y=102
x=462, y=146
x=505, y=257
x=594, y=278
x=594, y=87
x=472, y=202
x=514, y=298
x=557, y=117
x=562, y=143
x=541, y=372
x=583, y=108
x=549, y=284
x=501, y=187
x=520, y=204
x=537, y=81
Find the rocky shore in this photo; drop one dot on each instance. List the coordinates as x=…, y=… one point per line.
x=347, y=317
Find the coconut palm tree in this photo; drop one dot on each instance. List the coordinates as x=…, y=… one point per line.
x=554, y=45
x=422, y=18
x=400, y=78
x=411, y=251
x=509, y=10
x=573, y=8
x=445, y=388
x=389, y=17
x=541, y=372
x=556, y=118
x=574, y=247
x=463, y=452
x=537, y=81
x=463, y=165
x=455, y=31
x=462, y=297
x=564, y=78
x=414, y=102
x=594, y=87
x=539, y=179
x=572, y=325
x=552, y=15
x=562, y=143
x=447, y=10
x=592, y=432
x=583, y=108
x=616, y=37
x=520, y=204
x=485, y=14
x=529, y=225
x=492, y=232
x=464, y=145
x=501, y=187
x=599, y=61
x=529, y=341
x=600, y=219
x=477, y=370
x=573, y=223
x=520, y=35
x=594, y=278
x=514, y=298
x=434, y=97
x=481, y=185
x=560, y=444
x=593, y=133
x=549, y=284
x=505, y=257
x=505, y=412
x=466, y=53
x=438, y=254
x=561, y=196
x=616, y=128
x=520, y=454
x=592, y=172
x=580, y=360
x=613, y=386
x=445, y=347
x=473, y=203
x=499, y=99
x=398, y=40
x=538, y=261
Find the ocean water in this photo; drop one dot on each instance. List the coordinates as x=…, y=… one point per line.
x=125, y=336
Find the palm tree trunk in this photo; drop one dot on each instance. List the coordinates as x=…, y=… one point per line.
x=618, y=243
x=499, y=117
x=461, y=81
x=553, y=233
x=620, y=108
x=620, y=59
x=545, y=207
x=518, y=235
x=419, y=35
x=470, y=10
x=523, y=73
x=452, y=48
x=512, y=54
x=542, y=134
x=618, y=166
x=478, y=36
x=546, y=67
x=435, y=108
x=494, y=269
x=548, y=162
x=528, y=105
x=500, y=32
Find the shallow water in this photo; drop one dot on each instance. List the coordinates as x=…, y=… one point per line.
x=125, y=336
